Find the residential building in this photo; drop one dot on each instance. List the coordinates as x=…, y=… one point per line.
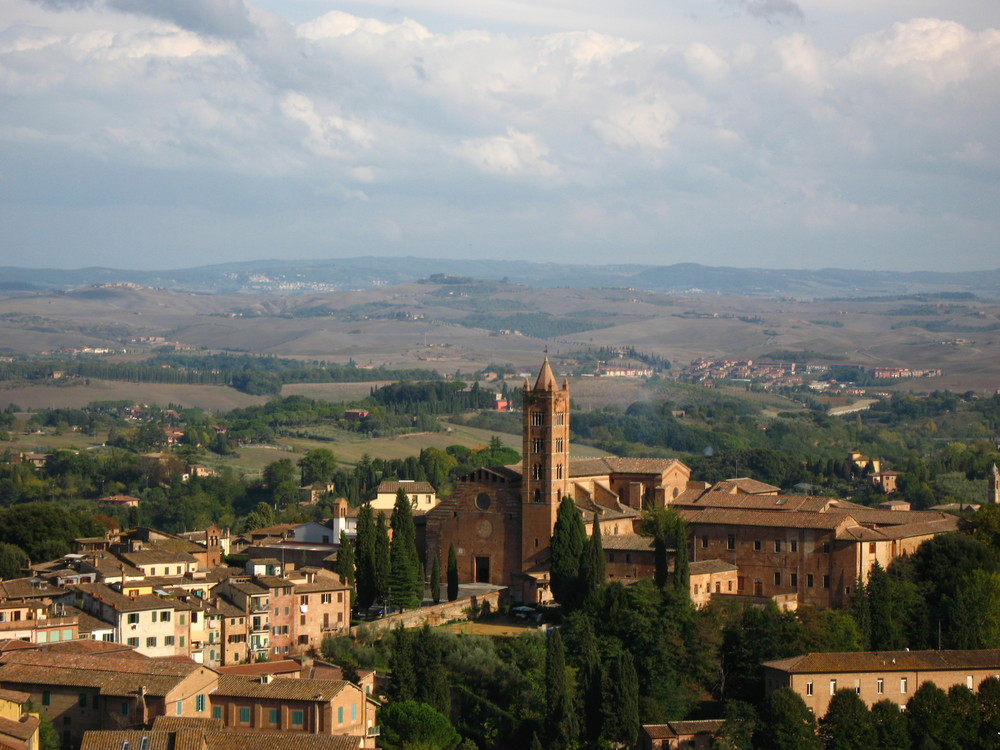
x=680, y=734
x=19, y=728
x=422, y=495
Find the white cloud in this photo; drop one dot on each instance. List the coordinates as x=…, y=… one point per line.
x=512, y=154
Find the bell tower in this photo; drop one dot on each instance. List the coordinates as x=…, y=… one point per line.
x=545, y=463
x=994, y=480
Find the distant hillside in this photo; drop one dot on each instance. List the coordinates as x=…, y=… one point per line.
x=317, y=276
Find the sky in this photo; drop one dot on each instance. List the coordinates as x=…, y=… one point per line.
x=159, y=134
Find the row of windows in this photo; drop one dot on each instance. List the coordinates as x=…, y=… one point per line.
x=133, y=617
x=538, y=445
x=758, y=544
x=538, y=419
x=152, y=641
x=538, y=472
x=904, y=685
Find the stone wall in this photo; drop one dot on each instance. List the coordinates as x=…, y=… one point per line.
x=438, y=614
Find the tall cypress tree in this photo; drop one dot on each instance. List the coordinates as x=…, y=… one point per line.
x=403, y=682
x=452, y=573
x=682, y=565
x=621, y=700
x=381, y=558
x=436, y=579
x=345, y=564
x=560, y=718
x=405, y=586
x=365, y=562
x=590, y=682
x=593, y=567
x=569, y=539
x=432, y=681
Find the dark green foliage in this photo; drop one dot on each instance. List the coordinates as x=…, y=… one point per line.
x=452, y=573
x=738, y=730
x=755, y=636
x=405, y=585
x=402, y=662
x=346, y=565
x=621, y=701
x=589, y=680
x=964, y=716
x=786, y=723
x=890, y=726
x=569, y=540
x=436, y=579
x=560, y=726
x=847, y=724
x=975, y=611
x=432, y=682
x=45, y=531
x=593, y=567
x=366, y=549
x=382, y=558
x=12, y=560
x=989, y=713
x=409, y=724
x=928, y=716
x=317, y=465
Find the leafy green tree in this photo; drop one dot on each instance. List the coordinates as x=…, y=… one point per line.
x=12, y=560
x=569, y=540
x=317, y=465
x=739, y=727
x=786, y=723
x=436, y=579
x=410, y=725
x=975, y=622
x=989, y=713
x=847, y=724
x=927, y=714
x=560, y=717
x=405, y=586
x=277, y=472
x=964, y=717
x=889, y=725
x=452, y=573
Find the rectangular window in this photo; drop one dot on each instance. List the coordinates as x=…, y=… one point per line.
x=133, y=618
x=298, y=718
x=756, y=545
x=809, y=580
x=704, y=542
x=82, y=700
x=795, y=580
x=809, y=688
x=354, y=712
x=124, y=708
x=216, y=712
x=833, y=687
x=968, y=681
x=826, y=548
x=857, y=685
x=560, y=446
x=795, y=545
x=302, y=619
x=326, y=599
x=731, y=542
x=164, y=616
x=180, y=708
x=537, y=419
x=183, y=619
x=880, y=686
x=871, y=547
x=340, y=714
x=826, y=582
x=151, y=642
x=272, y=717
x=730, y=585
x=133, y=642
x=244, y=716
x=168, y=640
x=777, y=545
x=199, y=703
x=777, y=579
x=903, y=685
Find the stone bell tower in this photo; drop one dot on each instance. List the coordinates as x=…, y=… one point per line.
x=545, y=463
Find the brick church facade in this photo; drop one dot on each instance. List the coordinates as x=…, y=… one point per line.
x=501, y=518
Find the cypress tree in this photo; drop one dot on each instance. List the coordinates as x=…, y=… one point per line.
x=560, y=718
x=381, y=557
x=621, y=701
x=436, y=579
x=452, y=573
x=405, y=585
x=569, y=539
x=403, y=683
x=590, y=682
x=365, y=563
x=593, y=567
x=431, y=679
x=345, y=564
x=661, y=572
x=682, y=565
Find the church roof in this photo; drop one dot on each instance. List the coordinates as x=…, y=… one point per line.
x=546, y=379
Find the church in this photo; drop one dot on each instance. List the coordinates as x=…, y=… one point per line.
x=501, y=518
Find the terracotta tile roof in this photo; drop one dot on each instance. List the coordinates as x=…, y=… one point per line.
x=22, y=730
x=28, y=588
x=236, y=740
x=122, y=603
x=175, y=723
x=112, y=674
x=745, y=485
x=156, y=556
x=703, y=567
x=765, y=518
x=88, y=623
x=875, y=661
x=14, y=696
x=784, y=503
x=630, y=542
x=588, y=467
x=281, y=666
x=302, y=690
x=410, y=488
x=674, y=729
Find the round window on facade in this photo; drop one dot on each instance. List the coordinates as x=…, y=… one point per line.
x=483, y=501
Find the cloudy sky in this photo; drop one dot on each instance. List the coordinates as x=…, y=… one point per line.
x=769, y=133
